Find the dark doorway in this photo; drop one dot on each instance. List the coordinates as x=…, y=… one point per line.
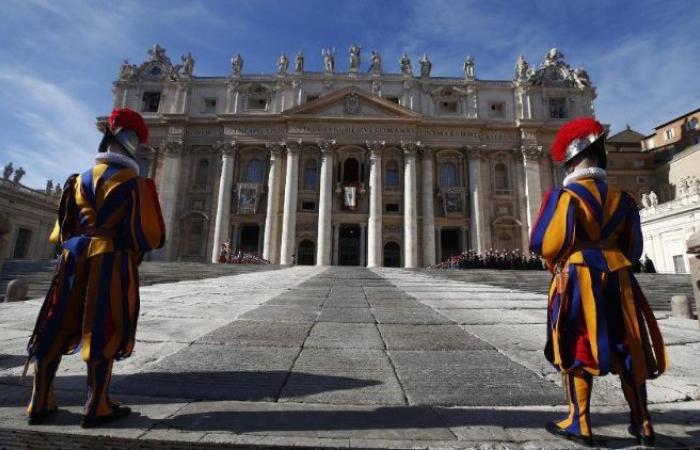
x=392, y=254
x=24, y=236
x=250, y=238
x=349, y=245
x=306, y=253
x=351, y=171
x=449, y=240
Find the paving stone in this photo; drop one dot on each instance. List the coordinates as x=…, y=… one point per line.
x=345, y=302
x=495, y=316
x=408, y=316
x=344, y=335
x=253, y=333
x=274, y=313
x=346, y=315
x=429, y=337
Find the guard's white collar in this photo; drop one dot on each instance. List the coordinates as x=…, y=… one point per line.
x=588, y=172
x=108, y=157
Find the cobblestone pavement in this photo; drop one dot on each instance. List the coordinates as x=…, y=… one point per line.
x=339, y=357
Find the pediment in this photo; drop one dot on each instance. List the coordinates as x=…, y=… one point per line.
x=352, y=102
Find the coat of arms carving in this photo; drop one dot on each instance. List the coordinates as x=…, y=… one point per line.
x=352, y=104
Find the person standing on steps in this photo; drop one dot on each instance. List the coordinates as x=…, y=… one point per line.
x=599, y=322
x=108, y=218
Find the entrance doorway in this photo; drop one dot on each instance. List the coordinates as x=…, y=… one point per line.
x=306, y=253
x=449, y=242
x=392, y=254
x=349, y=245
x=250, y=238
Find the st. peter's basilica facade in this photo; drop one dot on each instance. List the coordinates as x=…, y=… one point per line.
x=371, y=166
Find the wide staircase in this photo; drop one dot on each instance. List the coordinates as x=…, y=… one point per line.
x=657, y=287
x=39, y=273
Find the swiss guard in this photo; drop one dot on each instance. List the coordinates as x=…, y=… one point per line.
x=599, y=322
x=108, y=218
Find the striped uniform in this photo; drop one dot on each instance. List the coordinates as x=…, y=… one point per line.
x=598, y=318
x=108, y=218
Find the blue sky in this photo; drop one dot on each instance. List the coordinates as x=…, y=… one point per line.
x=58, y=58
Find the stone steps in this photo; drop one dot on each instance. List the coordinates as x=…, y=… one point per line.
x=657, y=287
x=39, y=273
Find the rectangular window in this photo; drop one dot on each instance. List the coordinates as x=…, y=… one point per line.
x=209, y=105
x=497, y=110
x=669, y=134
x=448, y=106
x=642, y=180
x=393, y=99
x=151, y=102
x=391, y=207
x=679, y=264
x=311, y=98
x=308, y=205
x=557, y=108
x=637, y=163
x=258, y=104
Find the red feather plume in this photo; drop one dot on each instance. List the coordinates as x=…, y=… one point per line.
x=131, y=120
x=574, y=129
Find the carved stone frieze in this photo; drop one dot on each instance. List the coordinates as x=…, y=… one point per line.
x=326, y=145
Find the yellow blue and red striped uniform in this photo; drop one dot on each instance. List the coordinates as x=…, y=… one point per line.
x=108, y=218
x=598, y=318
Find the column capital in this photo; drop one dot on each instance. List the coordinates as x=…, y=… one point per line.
x=293, y=146
x=409, y=148
x=275, y=150
x=427, y=151
x=474, y=152
x=375, y=148
x=531, y=153
x=326, y=145
x=171, y=147
x=227, y=148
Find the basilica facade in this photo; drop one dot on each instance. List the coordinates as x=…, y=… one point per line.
x=370, y=165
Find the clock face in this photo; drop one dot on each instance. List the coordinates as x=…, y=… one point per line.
x=155, y=70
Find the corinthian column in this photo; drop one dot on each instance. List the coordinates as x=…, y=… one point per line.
x=223, y=203
x=475, y=204
x=325, y=203
x=374, y=221
x=289, y=220
x=168, y=182
x=533, y=184
x=428, y=207
x=410, y=228
x=273, y=204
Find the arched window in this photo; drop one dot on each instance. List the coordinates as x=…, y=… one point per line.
x=201, y=175
x=310, y=174
x=254, y=171
x=351, y=170
x=501, y=176
x=307, y=253
x=392, y=173
x=448, y=175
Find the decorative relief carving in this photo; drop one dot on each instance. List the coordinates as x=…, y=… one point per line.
x=409, y=148
x=375, y=148
x=351, y=104
x=532, y=152
x=275, y=150
x=474, y=152
x=294, y=146
x=326, y=145
x=226, y=148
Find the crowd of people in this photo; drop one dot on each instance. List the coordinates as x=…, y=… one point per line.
x=227, y=256
x=515, y=260
x=492, y=259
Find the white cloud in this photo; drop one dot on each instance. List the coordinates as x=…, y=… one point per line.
x=58, y=136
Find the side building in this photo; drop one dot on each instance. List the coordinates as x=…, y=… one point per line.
x=671, y=210
x=360, y=167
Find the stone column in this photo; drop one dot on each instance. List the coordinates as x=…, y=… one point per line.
x=428, y=207
x=363, y=245
x=522, y=202
x=289, y=220
x=168, y=184
x=374, y=221
x=438, y=242
x=475, y=203
x=235, y=239
x=325, y=203
x=463, y=238
x=533, y=185
x=410, y=239
x=273, y=205
x=223, y=203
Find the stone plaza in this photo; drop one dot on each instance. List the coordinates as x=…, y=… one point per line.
x=339, y=357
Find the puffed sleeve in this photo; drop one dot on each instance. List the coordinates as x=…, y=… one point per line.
x=147, y=231
x=631, y=241
x=67, y=221
x=553, y=233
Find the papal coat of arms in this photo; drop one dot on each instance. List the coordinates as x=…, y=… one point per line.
x=352, y=104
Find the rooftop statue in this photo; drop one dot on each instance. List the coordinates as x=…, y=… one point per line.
x=329, y=59
x=521, y=69
x=187, y=65
x=19, y=173
x=7, y=173
x=425, y=66
x=282, y=64
x=354, y=57
x=299, y=62
x=405, y=63
x=236, y=65
x=376, y=66
x=469, y=68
